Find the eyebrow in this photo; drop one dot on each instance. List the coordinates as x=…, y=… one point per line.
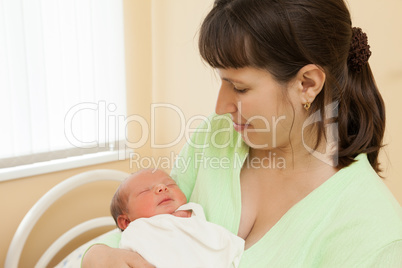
x=232, y=81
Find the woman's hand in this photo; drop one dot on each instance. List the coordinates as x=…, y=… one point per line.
x=104, y=256
x=182, y=213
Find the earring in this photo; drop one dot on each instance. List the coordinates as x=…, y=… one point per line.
x=307, y=106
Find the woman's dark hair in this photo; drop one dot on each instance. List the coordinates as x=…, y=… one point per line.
x=282, y=36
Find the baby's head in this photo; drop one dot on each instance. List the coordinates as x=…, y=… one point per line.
x=144, y=194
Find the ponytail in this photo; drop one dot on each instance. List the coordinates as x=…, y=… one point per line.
x=361, y=110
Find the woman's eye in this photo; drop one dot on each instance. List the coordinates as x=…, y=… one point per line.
x=240, y=90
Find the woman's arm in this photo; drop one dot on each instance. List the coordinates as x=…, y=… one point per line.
x=103, y=256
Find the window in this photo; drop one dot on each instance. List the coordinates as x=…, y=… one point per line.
x=62, y=78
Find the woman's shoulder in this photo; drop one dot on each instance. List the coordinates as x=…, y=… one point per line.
x=368, y=201
x=367, y=185
x=354, y=215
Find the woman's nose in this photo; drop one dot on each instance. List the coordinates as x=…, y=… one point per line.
x=226, y=102
x=160, y=188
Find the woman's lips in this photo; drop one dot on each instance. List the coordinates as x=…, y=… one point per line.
x=240, y=127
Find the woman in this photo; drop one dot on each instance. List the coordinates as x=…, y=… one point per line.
x=298, y=129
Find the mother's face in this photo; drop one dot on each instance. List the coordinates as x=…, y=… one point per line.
x=260, y=110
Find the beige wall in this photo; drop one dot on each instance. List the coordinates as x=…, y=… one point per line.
x=163, y=66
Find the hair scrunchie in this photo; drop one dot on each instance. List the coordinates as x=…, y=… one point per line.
x=359, y=52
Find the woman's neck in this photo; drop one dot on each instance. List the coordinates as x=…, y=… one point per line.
x=294, y=161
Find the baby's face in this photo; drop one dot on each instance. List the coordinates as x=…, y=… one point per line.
x=152, y=193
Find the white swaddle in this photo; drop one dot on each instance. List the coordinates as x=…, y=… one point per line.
x=169, y=241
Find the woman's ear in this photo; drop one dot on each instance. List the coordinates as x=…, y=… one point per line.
x=311, y=79
x=123, y=221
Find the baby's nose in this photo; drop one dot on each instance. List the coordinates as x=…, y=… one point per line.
x=161, y=188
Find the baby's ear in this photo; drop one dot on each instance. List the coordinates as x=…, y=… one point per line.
x=123, y=221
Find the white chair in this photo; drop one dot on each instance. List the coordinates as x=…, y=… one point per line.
x=33, y=215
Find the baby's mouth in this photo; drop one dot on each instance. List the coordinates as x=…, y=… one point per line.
x=165, y=200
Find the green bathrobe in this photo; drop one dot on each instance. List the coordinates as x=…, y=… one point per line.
x=351, y=220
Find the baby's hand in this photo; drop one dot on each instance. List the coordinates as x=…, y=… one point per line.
x=183, y=213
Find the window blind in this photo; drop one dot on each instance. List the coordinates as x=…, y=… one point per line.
x=62, y=78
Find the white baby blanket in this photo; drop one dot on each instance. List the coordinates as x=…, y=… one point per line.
x=170, y=241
